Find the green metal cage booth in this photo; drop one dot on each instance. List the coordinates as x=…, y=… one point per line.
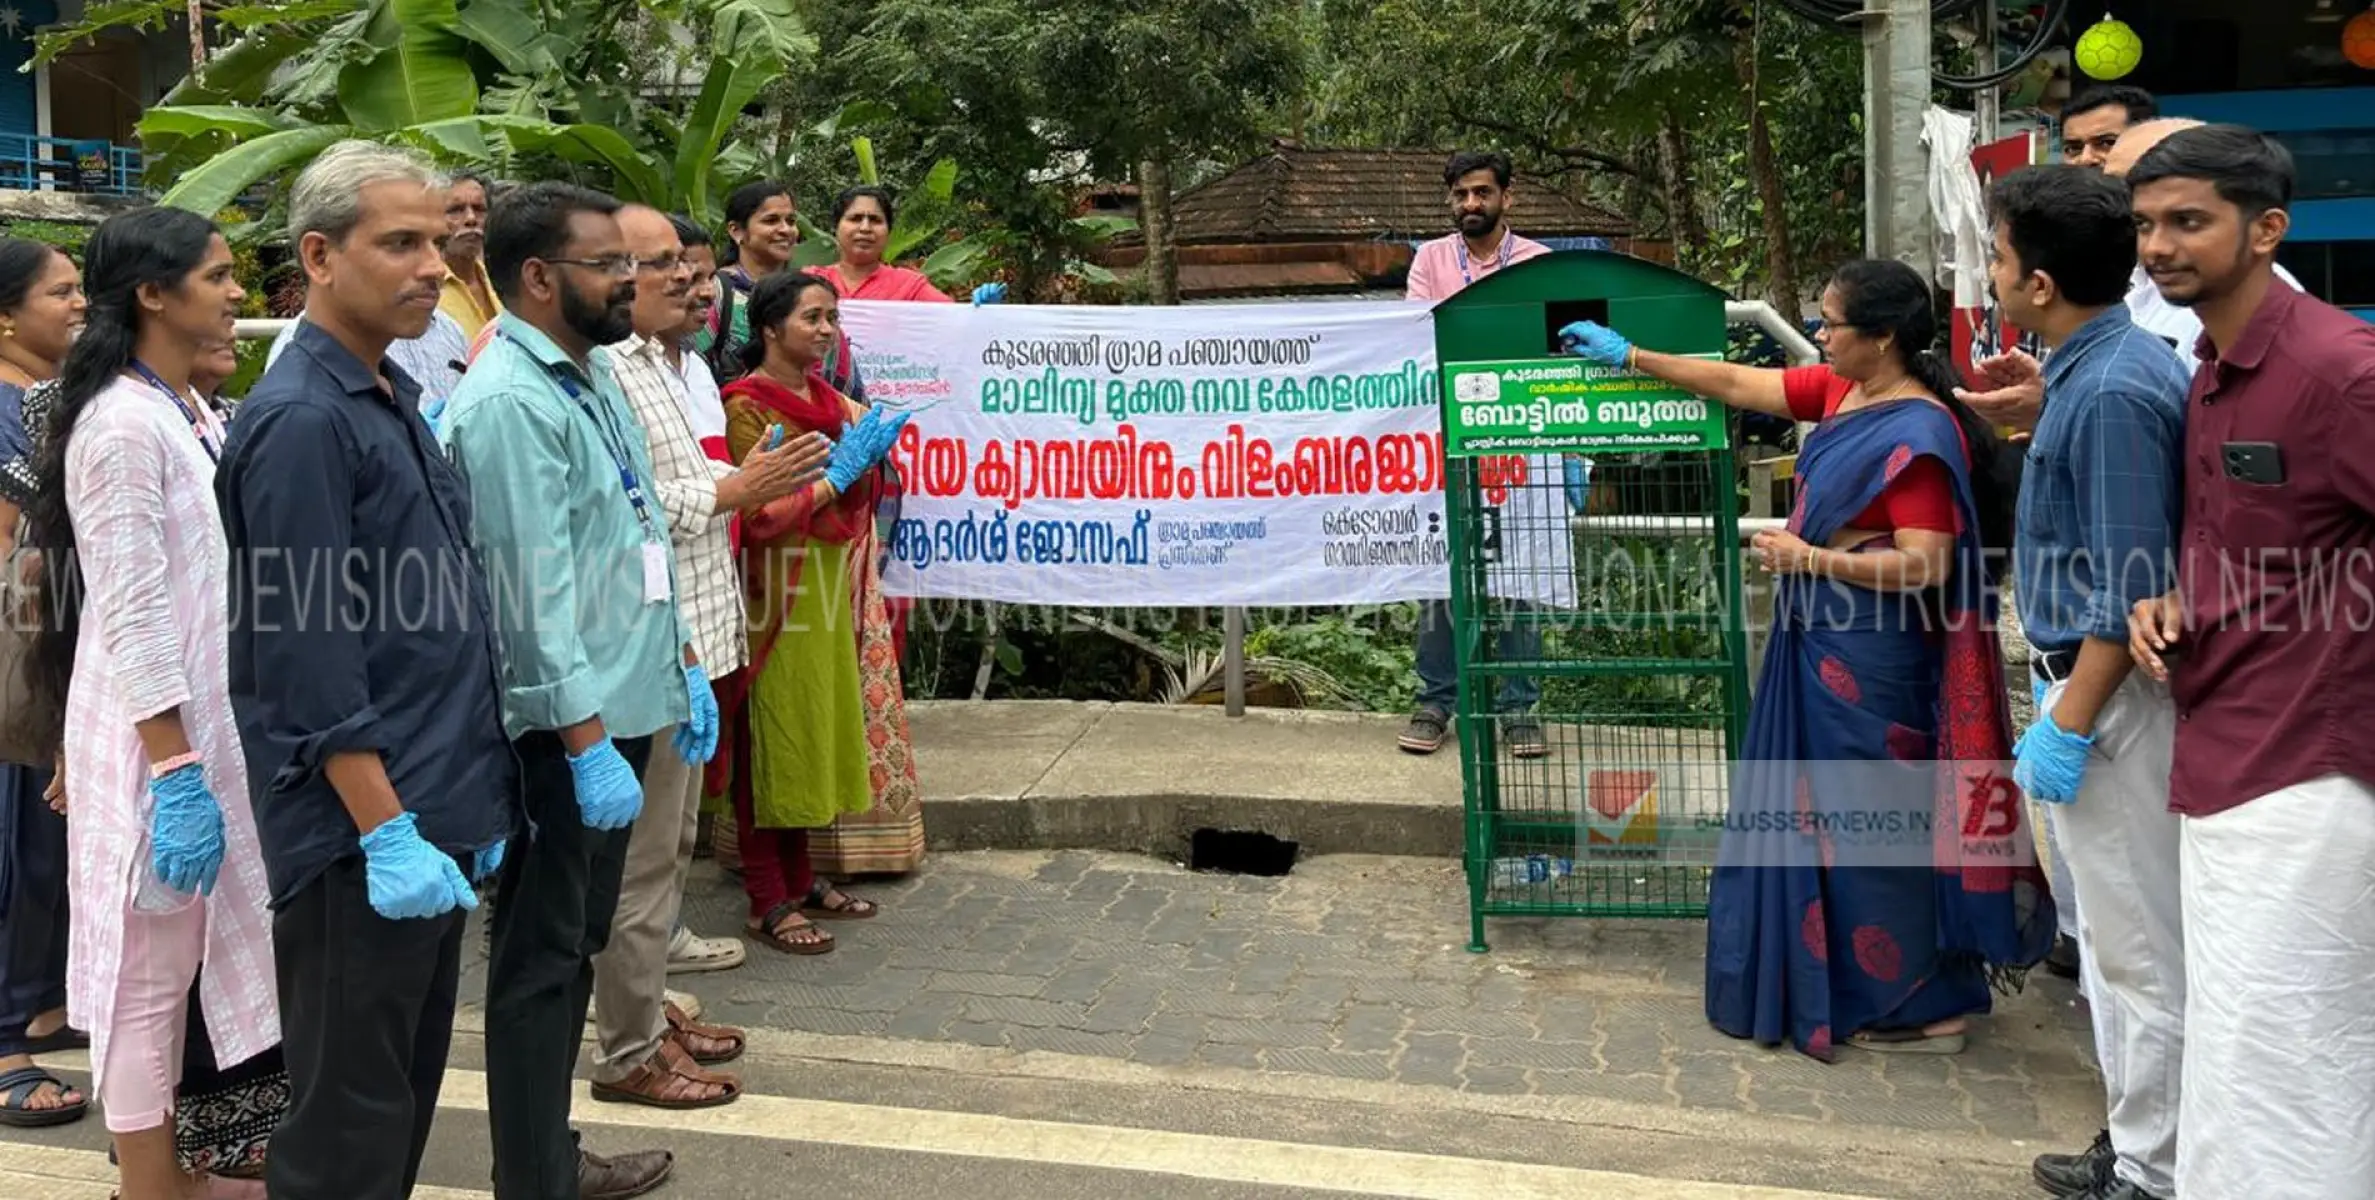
x=1595, y=593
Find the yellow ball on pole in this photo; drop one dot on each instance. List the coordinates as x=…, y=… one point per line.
x=2108, y=50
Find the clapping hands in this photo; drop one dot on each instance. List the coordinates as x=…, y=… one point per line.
x=863, y=444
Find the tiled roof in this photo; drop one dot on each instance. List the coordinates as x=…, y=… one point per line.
x=1296, y=194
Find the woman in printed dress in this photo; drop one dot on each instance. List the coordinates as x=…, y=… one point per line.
x=41, y=309
x=818, y=730
x=1881, y=706
x=165, y=875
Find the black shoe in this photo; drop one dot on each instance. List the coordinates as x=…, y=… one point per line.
x=2062, y=960
x=600, y=1178
x=1424, y=734
x=2116, y=1189
x=2066, y=1175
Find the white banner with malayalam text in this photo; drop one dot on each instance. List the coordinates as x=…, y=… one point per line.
x=1270, y=454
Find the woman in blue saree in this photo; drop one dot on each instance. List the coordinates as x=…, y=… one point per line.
x=1875, y=875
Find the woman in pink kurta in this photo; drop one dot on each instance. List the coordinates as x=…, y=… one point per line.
x=151, y=752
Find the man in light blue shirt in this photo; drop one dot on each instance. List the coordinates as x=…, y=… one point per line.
x=597, y=658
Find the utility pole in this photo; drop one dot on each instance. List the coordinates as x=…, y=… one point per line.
x=1896, y=163
x=1987, y=103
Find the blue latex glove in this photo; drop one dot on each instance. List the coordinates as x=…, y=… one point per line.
x=185, y=831
x=2049, y=762
x=696, y=739
x=1578, y=474
x=886, y=434
x=853, y=453
x=488, y=861
x=410, y=878
x=607, y=795
x=989, y=293
x=863, y=445
x=1597, y=342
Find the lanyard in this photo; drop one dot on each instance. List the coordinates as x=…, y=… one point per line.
x=1500, y=257
x=205, y=440
x=613, y=440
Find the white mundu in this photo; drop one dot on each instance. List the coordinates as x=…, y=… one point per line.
x=2280, y=1017
x=2121, y=842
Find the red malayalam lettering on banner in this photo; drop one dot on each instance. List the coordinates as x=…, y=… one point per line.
x=1393, y=464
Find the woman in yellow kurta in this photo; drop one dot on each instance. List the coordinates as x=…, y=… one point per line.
x=807, y=746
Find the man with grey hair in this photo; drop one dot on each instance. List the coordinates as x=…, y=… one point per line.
x=363, y=670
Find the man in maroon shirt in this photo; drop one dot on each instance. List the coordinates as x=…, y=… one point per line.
x=2266, y=647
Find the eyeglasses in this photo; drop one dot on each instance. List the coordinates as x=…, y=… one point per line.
x=665, y=264
x=617, y=264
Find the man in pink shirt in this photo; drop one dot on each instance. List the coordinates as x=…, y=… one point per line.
x=1479, y=185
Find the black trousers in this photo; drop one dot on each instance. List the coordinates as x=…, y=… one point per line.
x=33, y=920
x=553, y=906
x=366, y=1018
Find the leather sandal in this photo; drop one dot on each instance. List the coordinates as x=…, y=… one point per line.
x=851, y=908
x=669, y=1079
x=768, y=931
x=681, y=1029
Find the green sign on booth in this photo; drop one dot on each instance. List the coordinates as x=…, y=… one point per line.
x=1569, y=404
x=1595, y=593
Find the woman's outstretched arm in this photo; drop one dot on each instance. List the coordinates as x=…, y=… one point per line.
x=1756, y=389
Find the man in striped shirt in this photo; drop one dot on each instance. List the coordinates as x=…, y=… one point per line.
x=643, y=1044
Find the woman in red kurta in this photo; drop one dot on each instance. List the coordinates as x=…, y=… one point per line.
x=862, y=219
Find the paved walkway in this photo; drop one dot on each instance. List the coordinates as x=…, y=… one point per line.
x=1355, y=968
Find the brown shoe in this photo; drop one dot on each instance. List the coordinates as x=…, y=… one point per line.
x=670, y=1079
x=600, y=1178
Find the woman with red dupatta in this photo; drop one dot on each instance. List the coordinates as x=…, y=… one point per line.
x=887, y=839
x=1874, y=879
x=818, y=730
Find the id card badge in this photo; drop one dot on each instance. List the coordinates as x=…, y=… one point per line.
x=655, y=573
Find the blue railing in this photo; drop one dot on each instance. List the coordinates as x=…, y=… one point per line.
x=31, y=163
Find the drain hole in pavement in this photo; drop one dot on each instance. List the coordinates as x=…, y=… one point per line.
x=1240, y=852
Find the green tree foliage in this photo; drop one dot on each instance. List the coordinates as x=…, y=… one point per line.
x=575, y=87
x=1039, y=99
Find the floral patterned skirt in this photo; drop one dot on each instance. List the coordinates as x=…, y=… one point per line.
x=887, y=838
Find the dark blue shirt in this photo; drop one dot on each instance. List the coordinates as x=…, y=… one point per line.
x=2100, y=495
x=360, y=619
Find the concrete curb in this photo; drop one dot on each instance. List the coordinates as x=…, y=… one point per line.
x=1064, y=775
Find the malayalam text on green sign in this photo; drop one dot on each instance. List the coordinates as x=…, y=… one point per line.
x=1549, y=404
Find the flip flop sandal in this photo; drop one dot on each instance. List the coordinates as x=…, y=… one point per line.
x=646, y=1083
x=681, y=1026
x=764, y=932
x=850, y=909
x=63, y=1038
x=1908, y=1041
x=16, y=1091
